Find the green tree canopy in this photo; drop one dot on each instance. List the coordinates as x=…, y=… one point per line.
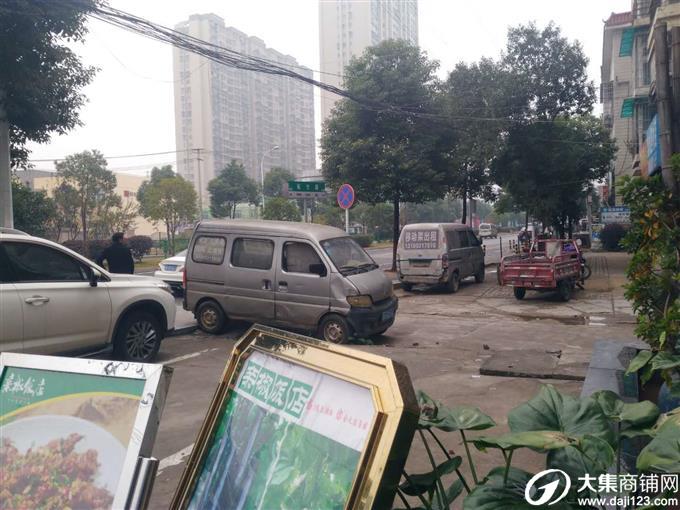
x=94, y=185
x=387, y=154
x=231, y=187
x=276, y=180
x=173, y=201
x=156, y=175
x=41, y=76
x=280, y=208
x=34, y=211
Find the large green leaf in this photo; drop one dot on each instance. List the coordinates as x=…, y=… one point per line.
x=662, y=454
x=536, y=439
x=639, y=361
x=551, y=410
x=665, y=360
x=637, y=414
x=591, y=456
x=434, y=414
x=424, y=482
x=492, y=494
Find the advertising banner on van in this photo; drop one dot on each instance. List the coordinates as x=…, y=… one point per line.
x=72, y=435
x=298, y=423
x=421, y=239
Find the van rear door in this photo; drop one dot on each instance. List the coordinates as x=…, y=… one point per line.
x=420, y=251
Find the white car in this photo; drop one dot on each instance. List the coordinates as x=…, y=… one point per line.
x=488, y=230
x=171, y=271
x=55, y=301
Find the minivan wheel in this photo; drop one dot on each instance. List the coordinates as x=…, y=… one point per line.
x=479, y=277
x=408, y=287
x=334, y=329
x=454, y=283
x=138, y=338
x=210, y=317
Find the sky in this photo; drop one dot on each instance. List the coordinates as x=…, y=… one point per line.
x=130, y=108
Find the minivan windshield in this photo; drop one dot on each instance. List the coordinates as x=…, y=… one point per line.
x=348, y=256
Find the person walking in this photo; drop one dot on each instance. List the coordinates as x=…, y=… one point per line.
x=118, y=256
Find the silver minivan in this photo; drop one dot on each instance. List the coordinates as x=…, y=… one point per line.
x=439, y=254
x=294, y=275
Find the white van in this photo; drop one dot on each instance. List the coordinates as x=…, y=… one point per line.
x=439, y=254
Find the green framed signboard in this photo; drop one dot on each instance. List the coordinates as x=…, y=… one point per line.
x=297, y=423
x=73, y=430
x=305, y=189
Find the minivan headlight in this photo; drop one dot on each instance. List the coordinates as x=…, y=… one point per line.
x=362, y=301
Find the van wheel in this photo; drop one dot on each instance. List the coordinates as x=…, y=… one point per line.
x=408, y=287
x=210, y=317
x=564, y=290
x=334, y=329
x=519, y=292
x=138, y=338
x=479, y=277
x=454, y=283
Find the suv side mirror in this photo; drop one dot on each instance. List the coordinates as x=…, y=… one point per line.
x=318, y=269
x=95, y=275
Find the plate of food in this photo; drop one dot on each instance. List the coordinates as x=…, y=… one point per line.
x=73, y=463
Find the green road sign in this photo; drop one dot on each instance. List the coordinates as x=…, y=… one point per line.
x=306, y=186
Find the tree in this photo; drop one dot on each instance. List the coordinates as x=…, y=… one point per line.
x=280, y=208
x=387, y=154
x=231, y=187
x=94, y=185
x=171, y=200
x=140, y=246
x=548, y=168
x=40, y=81
x=66, y=201
x=156, y=175
x=276, y=180
x=34, y=211
x=113, y=216
x=474, y=94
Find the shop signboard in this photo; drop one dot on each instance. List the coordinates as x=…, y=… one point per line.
x=74, y=431
x=299, y=423
x=653, y=142
x=618, y=214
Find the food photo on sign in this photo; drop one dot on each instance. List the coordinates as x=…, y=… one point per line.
x=65, y=436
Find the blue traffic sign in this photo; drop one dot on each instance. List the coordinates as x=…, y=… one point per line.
x=345, y=196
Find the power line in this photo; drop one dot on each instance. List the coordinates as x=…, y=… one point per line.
x=123, y=156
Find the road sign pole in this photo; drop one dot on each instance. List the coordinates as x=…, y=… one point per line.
x=347, y=220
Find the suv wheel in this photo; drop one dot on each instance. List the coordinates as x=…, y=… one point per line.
x=210, y=317
x=138, y=338
x=334, y=329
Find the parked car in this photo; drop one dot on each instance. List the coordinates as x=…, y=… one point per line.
x=488, y=230
x=55, y=301
x=439, y=254
x=287, y=274
x=170, y=271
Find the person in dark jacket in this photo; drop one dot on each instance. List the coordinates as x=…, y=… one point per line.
x=118, y=256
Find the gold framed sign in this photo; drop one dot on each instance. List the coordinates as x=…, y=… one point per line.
x=300, y=423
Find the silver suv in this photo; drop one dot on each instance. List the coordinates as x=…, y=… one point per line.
x=53, y=300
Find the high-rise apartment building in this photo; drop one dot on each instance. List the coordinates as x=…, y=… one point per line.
x=348, y=27
x=224, y=113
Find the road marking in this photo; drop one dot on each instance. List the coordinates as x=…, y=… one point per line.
x=174, y=459
x=188, y=356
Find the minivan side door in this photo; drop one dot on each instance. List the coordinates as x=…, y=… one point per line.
x=459, y=251
x=476, y=253
x=302, y=285
x=11, y=313
x=249, y=279
x=61, y=311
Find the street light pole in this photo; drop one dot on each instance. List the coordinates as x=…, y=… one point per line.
x=275, y=148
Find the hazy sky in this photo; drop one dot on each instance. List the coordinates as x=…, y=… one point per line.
x=130, y=107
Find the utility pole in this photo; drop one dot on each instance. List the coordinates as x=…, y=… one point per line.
x=6, y=211
x=200, y=183
x=663, y=103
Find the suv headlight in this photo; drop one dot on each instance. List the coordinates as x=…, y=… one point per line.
x=362, y=301
x=164, y=286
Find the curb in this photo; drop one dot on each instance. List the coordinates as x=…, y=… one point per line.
x=184, y=330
